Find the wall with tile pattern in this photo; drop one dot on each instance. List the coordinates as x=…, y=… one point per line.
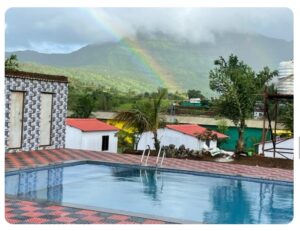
x=32, y=107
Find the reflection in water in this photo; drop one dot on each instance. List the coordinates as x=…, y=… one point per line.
x=151, y=180
x=229, y=202
x=232, y=202
x=44, y=184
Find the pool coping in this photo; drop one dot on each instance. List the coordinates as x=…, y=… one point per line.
x=150, y=167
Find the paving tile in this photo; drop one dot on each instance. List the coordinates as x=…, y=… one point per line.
x=118, y=217
x=76, y=215
x=12, y=221
x=139, y=220
x=94, y=218
x=79, y=221
x=110, y=221
x=35, y=220
x=66, y=220
x=49, y=216
x=86, y=212
x=20, y=217
x=33, y=214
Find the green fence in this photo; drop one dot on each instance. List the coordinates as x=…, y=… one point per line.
x=252, y=136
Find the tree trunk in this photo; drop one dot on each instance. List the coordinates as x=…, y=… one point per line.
x=136, y=141
x=240, y=144
x=156, y=141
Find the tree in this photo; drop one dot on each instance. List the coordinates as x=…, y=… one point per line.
x=195, y=94
x=11, y=63
x=239, y=88
x=287, y=118
x=84, y=106
x=145, y=116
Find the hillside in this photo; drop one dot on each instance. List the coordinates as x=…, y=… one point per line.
x=152, y=61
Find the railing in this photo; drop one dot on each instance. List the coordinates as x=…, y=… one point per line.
x=149, y=151
x=158, y=156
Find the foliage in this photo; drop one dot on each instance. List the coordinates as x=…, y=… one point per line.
x=83, y=106
x=207, y=135
x=287, y=118
x=239, y=88
x=195, y=94
x=145, y=116
x=12, y=63
x=181, y=152
x=222, y=126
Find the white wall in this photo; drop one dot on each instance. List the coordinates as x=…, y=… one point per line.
x=285, y=144
x=73, y=137
x=93, y=141
x=169, y=136
x=77, y=139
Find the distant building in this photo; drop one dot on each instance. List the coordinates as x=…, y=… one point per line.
x=285, y=80
x=258, y=110
x=192, y=102
x=91, y=134
x=35, y=111
x=178, y=135
x=195, y=100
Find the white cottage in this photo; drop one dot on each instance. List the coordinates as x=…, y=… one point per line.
x=91, y=134
x=185, y=134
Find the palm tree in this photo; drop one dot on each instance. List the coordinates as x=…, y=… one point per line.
x=145, y=116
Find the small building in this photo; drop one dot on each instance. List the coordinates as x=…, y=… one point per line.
x=35, y=111
x=184, y=134
x=91, y=134
x=192, y=102
x=284, y=148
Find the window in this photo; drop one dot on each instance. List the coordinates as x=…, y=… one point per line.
x=105, y=143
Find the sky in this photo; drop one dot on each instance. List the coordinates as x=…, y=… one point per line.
x=63, y=30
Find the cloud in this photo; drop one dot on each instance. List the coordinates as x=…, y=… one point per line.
x=64, y=29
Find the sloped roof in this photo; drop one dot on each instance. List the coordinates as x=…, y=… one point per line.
x=193, y=130
x=90, y=125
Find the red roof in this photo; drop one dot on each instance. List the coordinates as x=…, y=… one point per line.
x=193, y=130
x=90, y=125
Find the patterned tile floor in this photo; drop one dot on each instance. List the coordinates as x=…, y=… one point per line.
x=18, y=211
x=28, y=212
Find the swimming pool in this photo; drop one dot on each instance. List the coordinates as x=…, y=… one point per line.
x=171, y=195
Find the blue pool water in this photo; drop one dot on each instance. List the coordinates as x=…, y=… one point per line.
x=188, y=197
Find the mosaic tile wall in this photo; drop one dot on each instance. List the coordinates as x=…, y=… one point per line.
x=32, y=107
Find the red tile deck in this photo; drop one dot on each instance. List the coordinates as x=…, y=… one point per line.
x=19, y=211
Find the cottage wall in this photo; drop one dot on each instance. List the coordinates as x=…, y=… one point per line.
x=168, y=136
x=73, y=137
x=93, y=141
x=32, y=110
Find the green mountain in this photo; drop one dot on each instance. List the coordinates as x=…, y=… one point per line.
x=151, y=61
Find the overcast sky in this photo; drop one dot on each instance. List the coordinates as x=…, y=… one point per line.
x=61, y=30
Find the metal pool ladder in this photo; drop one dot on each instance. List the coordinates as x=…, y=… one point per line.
x=149, y=151
x=158, y=156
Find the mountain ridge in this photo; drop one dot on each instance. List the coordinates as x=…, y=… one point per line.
x=124, y=63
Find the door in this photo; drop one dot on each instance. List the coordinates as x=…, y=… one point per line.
x=16, y=120
x=105, y=143
x=46, y=119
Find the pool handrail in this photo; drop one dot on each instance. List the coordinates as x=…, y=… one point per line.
x=158, y=156
x=149, y=150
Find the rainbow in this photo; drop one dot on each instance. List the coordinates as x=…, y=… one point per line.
x=141, y=55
